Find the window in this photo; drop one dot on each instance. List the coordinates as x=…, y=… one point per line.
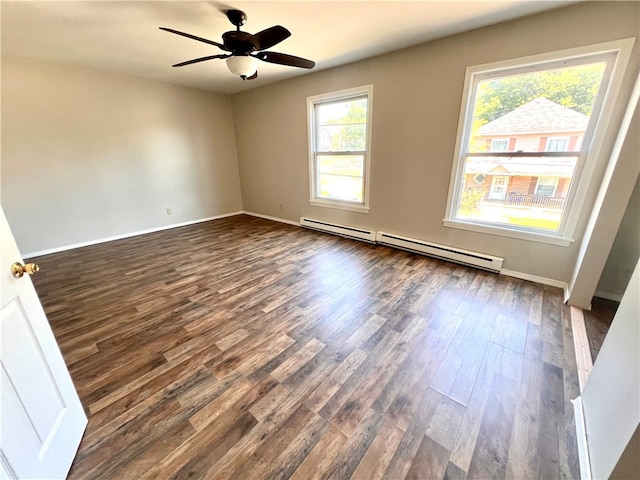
x=339, y=148
x=546, y=186
x=528, y=126
x=557, y=144
x=499, y=145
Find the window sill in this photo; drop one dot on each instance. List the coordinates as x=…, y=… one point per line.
x=339, y=205
x=508, y=232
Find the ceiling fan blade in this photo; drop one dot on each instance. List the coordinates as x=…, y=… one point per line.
x=269, y=37
x=284, y=59
x=252, y=77
x=201, y=59
x=199, y=39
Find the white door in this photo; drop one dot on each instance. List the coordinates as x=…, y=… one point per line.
x=498, y=188
x=41, y=418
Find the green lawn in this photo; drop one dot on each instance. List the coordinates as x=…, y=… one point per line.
x=534, y=222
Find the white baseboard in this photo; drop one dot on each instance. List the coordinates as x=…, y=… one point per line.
x=581, y=437
x=608, y=296
x=268, y=217
x=536, y=279
x=126, y=235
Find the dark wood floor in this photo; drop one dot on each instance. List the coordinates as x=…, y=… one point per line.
x=597, y=322
x=243, y=348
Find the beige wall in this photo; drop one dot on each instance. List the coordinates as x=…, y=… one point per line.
x=625, y=251
x=416, y=104
x=87, y=156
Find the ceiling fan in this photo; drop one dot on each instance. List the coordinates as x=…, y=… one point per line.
x=243, y=48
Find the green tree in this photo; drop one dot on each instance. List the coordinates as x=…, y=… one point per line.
x=470, y=201
x=574, y=88
x=351, y=131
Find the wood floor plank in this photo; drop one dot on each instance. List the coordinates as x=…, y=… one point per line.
x=405, y=453
x=430, y=461
x=465, y=444
x=267, y=454
x=244, y=348
x=296, y=451
x=319, y=397
x=376, y=460
x=445, y=423
x=347, y=460
x=523, y=451
x=454, y=473
x=321, y=456
x=490, y=455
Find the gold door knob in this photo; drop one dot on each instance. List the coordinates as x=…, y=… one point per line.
x=18, y=270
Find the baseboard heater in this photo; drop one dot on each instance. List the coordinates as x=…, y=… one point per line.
x=465, y=257
x=457, y=255
x=342, y=230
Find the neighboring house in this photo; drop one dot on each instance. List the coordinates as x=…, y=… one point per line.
x=538, y=126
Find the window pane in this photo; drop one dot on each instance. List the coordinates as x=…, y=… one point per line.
x=499, y=145
x=342, y=126
x=557, y=144
x=521, y=191
x=340, y=177
x=530, y=109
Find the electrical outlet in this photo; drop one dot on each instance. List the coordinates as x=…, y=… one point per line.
x=169, y=211
x=281, y=207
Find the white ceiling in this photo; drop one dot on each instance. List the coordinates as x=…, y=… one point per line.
x=122, y=37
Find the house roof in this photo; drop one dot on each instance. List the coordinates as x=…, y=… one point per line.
x=528, y=167
x=537, y=116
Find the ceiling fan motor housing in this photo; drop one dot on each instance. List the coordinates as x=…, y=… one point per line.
x=238, y=43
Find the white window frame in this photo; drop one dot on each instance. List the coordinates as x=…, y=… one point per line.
x=332, y=97
x=588, y=155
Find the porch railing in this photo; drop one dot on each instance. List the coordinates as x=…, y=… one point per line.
x=536, y=201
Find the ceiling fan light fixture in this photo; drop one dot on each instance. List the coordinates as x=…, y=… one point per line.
x=242, y=65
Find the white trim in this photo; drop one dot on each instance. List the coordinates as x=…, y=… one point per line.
x=362, y=91
x=594, y=137
x=559, y=55
x=126, y=235
x=508, y=232
x=536, y=279
x=616, y=297
x=273, y=219
x=582, y=439
x=584, y=360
